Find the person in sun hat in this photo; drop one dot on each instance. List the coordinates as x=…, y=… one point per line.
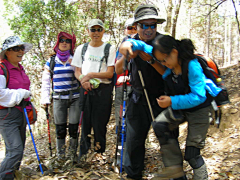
x=138, y=116
x=11, y=42
x=65, y=94
x=92, y=63
x=14, y=87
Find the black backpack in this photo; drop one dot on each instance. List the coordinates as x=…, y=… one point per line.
x=52, y=65
x=222, y=98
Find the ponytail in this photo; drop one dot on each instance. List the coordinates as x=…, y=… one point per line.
x=186, y=50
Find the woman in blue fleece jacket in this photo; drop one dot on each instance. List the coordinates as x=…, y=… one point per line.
x=191, y=103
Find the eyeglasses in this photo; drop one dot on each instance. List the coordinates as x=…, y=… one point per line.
x=94, y=30
x=144, y=26
x=131, y=28
x=69, y=41
x=17, y=48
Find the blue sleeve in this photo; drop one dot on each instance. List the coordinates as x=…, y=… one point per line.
x=211, y=88
x=141, y=46
x=197, y=85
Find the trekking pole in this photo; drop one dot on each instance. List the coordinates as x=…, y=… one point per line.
x=118, y=129
x=124, y=110
x=49, y=136
x=146, y=95
x=26, y=117
x=81, y=117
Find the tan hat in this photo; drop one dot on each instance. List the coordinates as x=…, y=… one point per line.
x=95, y=22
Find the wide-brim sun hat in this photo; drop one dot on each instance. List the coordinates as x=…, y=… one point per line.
x=14, y=41
x=147, y=12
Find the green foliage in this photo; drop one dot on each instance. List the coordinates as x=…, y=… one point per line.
x=38, y=21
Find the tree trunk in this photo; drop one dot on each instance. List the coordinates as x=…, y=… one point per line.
x=169, y=17
x=236, y=16
x=208, y=30
x=176, y=18
x=229, y=43
x=225, y=43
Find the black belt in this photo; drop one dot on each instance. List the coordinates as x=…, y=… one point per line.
x=70, y=93
x=66, y=92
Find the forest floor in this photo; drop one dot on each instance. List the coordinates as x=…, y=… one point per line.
x=221, y=153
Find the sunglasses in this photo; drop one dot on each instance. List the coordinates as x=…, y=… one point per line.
x=69, y=41
x=94, y=30
x=131, y=28
x=144, y=26
x=17, y=48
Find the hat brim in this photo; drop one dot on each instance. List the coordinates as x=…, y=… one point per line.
x=95, y=25
x=28, y=47
x=159, y=20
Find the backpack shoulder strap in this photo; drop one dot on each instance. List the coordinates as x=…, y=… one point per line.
x=5, y=72
x=52, y=65
x=84, y=49
x=185, y=75
x=106, y=51
x=206, y=69
x=106, y=54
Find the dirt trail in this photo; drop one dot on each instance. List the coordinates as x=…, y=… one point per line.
x=221, y=153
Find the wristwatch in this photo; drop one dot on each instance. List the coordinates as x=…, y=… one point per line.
x=152, y=61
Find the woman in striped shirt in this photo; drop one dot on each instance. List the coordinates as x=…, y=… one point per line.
x=65, y=95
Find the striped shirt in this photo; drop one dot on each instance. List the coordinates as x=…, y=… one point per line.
x=63, y=78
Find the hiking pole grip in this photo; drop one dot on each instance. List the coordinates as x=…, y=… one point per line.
x=26, y=116
x=49, y=136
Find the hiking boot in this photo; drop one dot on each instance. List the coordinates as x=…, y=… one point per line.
x=200, y=173
x=72, y=150
x=170, y=172
x=61, y=149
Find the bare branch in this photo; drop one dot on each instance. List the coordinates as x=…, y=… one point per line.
x=236, y=16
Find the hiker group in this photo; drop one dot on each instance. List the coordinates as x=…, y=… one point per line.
x=160, y=83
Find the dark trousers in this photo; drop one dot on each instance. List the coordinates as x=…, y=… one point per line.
x=138, y=122
x=97, y=111
x=13, y=131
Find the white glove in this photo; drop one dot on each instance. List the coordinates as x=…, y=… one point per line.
x=22, y=94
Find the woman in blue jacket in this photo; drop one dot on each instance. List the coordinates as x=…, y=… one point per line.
x=183, y=102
